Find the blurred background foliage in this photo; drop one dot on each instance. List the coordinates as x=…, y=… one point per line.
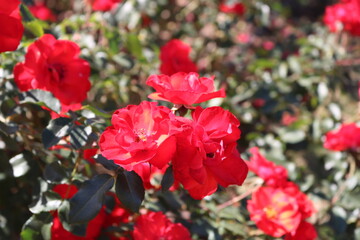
x=287, y=79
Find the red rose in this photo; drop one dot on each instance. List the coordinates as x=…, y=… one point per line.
x=54, y=65
x=58, y=232
x=42, y=12
x=155, y=225
x=183, y=88
x=174, y=57
x=344, y=138
x=269, y=171
x=206, y=152
x=274, y=211
x=279, y=210
x=345, y=14
x=235, y=8
x=10, y=24
x=139, y=134
x=104, y=5
x=305, y=231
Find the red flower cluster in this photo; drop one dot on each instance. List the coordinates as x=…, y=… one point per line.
x=155, y=225
x=235, y=8
x=104, y=5
x=345, y=138
x=183, y=88
x=202, y=149
x=174, y=57
x=11, y=28
x=344, y=15
x=55, y=66
x=42, y=12
x=103, y=220
x=279, y=208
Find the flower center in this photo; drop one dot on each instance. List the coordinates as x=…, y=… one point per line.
x=57, y=71
x=140, y=135
x=270, y=212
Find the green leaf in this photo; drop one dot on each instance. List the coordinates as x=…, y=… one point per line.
x=134, y=45
x=19, y=165
x=108, y=164
x=56, y=129
x=97, y=111
x=88, y=201
x=130, y=190
x=41, y=98
x=35, y=27
x=26, y=14
x=54, y=172
x=79, y=136
x=168, y=179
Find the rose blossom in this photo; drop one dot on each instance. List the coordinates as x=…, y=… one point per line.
x=155, y=225
x=235, y=8
x=206, y=152
x=139, y=133
x=267, y=170
x=11, y=28
x=279, y=210
x=347, y=13
x=55, y=66
x=174, y=57
x=104, y=5
x=42, y=12
x=344, y=138
x=305, y=231
x=183, y=88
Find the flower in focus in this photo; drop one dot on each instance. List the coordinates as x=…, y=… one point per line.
x=155, y=225
x=42, y=12
x=278, y=211
x=139, y=133
x=58, y=232
x=344, y=138
x=183, y=88
x=346, y=14
x=206, y=152
x=174, y=57
x=235, y=8
x=10, y=24
x=104, y=5
x=55, y=66
x=267, y=170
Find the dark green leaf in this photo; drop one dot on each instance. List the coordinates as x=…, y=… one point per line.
x=56, y=129
x=54, y=172
x=167, y=180
x=108, y=164
x=130, y=190
x=87, y=202
x=42, y=98
x=26, y=14
x=79, y=136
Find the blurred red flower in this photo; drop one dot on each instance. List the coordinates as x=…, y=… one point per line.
x=139, y=133
x=10, y=24
x=54, y=65
x=278, y=211
x=344, y=138
x=267, y=170
x=155, y=225
x=346, y=14
x=42, y=12
x=235, y=8
x=183, y=88
x=305, y=231
x=174, y=57
x=104, y=5
x=206, y=152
